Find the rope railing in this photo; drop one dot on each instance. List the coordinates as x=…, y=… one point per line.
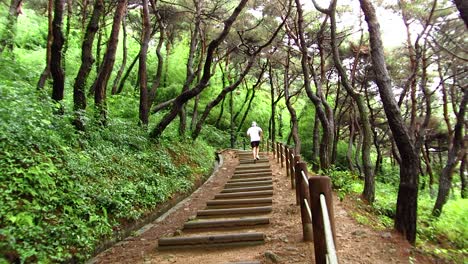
x=314, y=196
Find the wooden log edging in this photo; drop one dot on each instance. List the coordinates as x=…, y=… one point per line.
x=243, y=194
x=211, y=239
x=252, y=221
x=157, y=214
x=248, y=189
x=235, y=211
x=240, y=201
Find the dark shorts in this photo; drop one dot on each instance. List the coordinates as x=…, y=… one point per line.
x=254, y=144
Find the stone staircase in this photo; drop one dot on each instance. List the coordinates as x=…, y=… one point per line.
x=236, y=215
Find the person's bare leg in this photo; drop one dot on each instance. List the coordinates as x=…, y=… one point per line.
x=253, y=152
x=257, y=149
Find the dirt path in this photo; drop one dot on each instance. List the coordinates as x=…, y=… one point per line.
x=356, y=243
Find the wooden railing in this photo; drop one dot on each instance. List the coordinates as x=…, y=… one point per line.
x=314, y=195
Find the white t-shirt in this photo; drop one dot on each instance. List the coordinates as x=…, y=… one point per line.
x=254, y=133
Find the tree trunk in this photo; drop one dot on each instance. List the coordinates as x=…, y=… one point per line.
x=146, y=33
x=100, y=85
x=463, y=177
x=445, y=181
x=46, y=73
x=369, y=183
x=271, y=121
x=67, y=32
x=407, y=202
x=328, y=130
x=127, y=73
x=56, y=69
x=352, y=132
x=244, y=103
x=185, y=96
x=190, y=73
x=8, y=39
x=462, y=7
x=159, y=69
x=292, y=111
x=316, y=145
x=79, y=90
x=221, y=97
x=124, y=57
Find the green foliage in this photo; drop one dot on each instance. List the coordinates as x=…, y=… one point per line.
x=344, y=182
x=61, y=191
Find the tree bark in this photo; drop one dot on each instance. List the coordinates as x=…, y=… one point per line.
x=124, y=57
x=8, y=38
x=457, y=145
x=327, y=125
x=190, y=73
x=100, y=85
x=185, y=96
x=292, y=111
x=127, y=73
x=46, y=73
x=369, y=182
x=79, y=88
x=462, y=7
x=145, y=38
x=56, y=69
x=407, y=203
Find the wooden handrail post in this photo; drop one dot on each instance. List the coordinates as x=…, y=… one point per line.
x=301, y=186
x=277, y=152
x=282, y=154
x=321, y=185
x=288, y=161
x=273, y=148
x=297, y=159
x=293, y=161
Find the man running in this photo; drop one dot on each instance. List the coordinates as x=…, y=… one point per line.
x=255, y=133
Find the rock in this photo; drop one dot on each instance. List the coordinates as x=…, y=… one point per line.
x=386, y=235
x=294, y=249
x=359, y=233
x=178, y=232
x=284, y=238
x=270, y=256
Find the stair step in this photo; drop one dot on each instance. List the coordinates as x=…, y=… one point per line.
x=248, y=189
x=249, y=176
x=249, y=179
x=235, y=211
x=252, y=161
x=245, y=184
x=233, y=239
x=260, y=166
x=243, y=194
x=264, y=171
x=239, y=201
x=227, y=223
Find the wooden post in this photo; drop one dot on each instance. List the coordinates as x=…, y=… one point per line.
x=273, y=148
x=277, y=152
x=297, y=159
x=288, y=161
x=301, y=186
x=293, y=161
x=282, y=154
x=321, y=185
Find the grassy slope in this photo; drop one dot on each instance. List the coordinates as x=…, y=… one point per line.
x=62, y=191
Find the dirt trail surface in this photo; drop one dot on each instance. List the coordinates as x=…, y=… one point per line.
x=283, y=243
